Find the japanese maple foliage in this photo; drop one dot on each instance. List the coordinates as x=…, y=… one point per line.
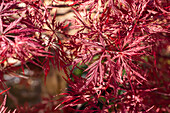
x=22, y=35
x=23, y=38
x=119, y=41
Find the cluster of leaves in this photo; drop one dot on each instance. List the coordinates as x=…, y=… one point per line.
x=29, y=33
x=23, y=27
x=119, y=41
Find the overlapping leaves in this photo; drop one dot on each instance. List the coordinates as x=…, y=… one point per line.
x=113, y=40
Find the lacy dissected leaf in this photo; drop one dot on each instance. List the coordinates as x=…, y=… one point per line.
x=113, y=40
